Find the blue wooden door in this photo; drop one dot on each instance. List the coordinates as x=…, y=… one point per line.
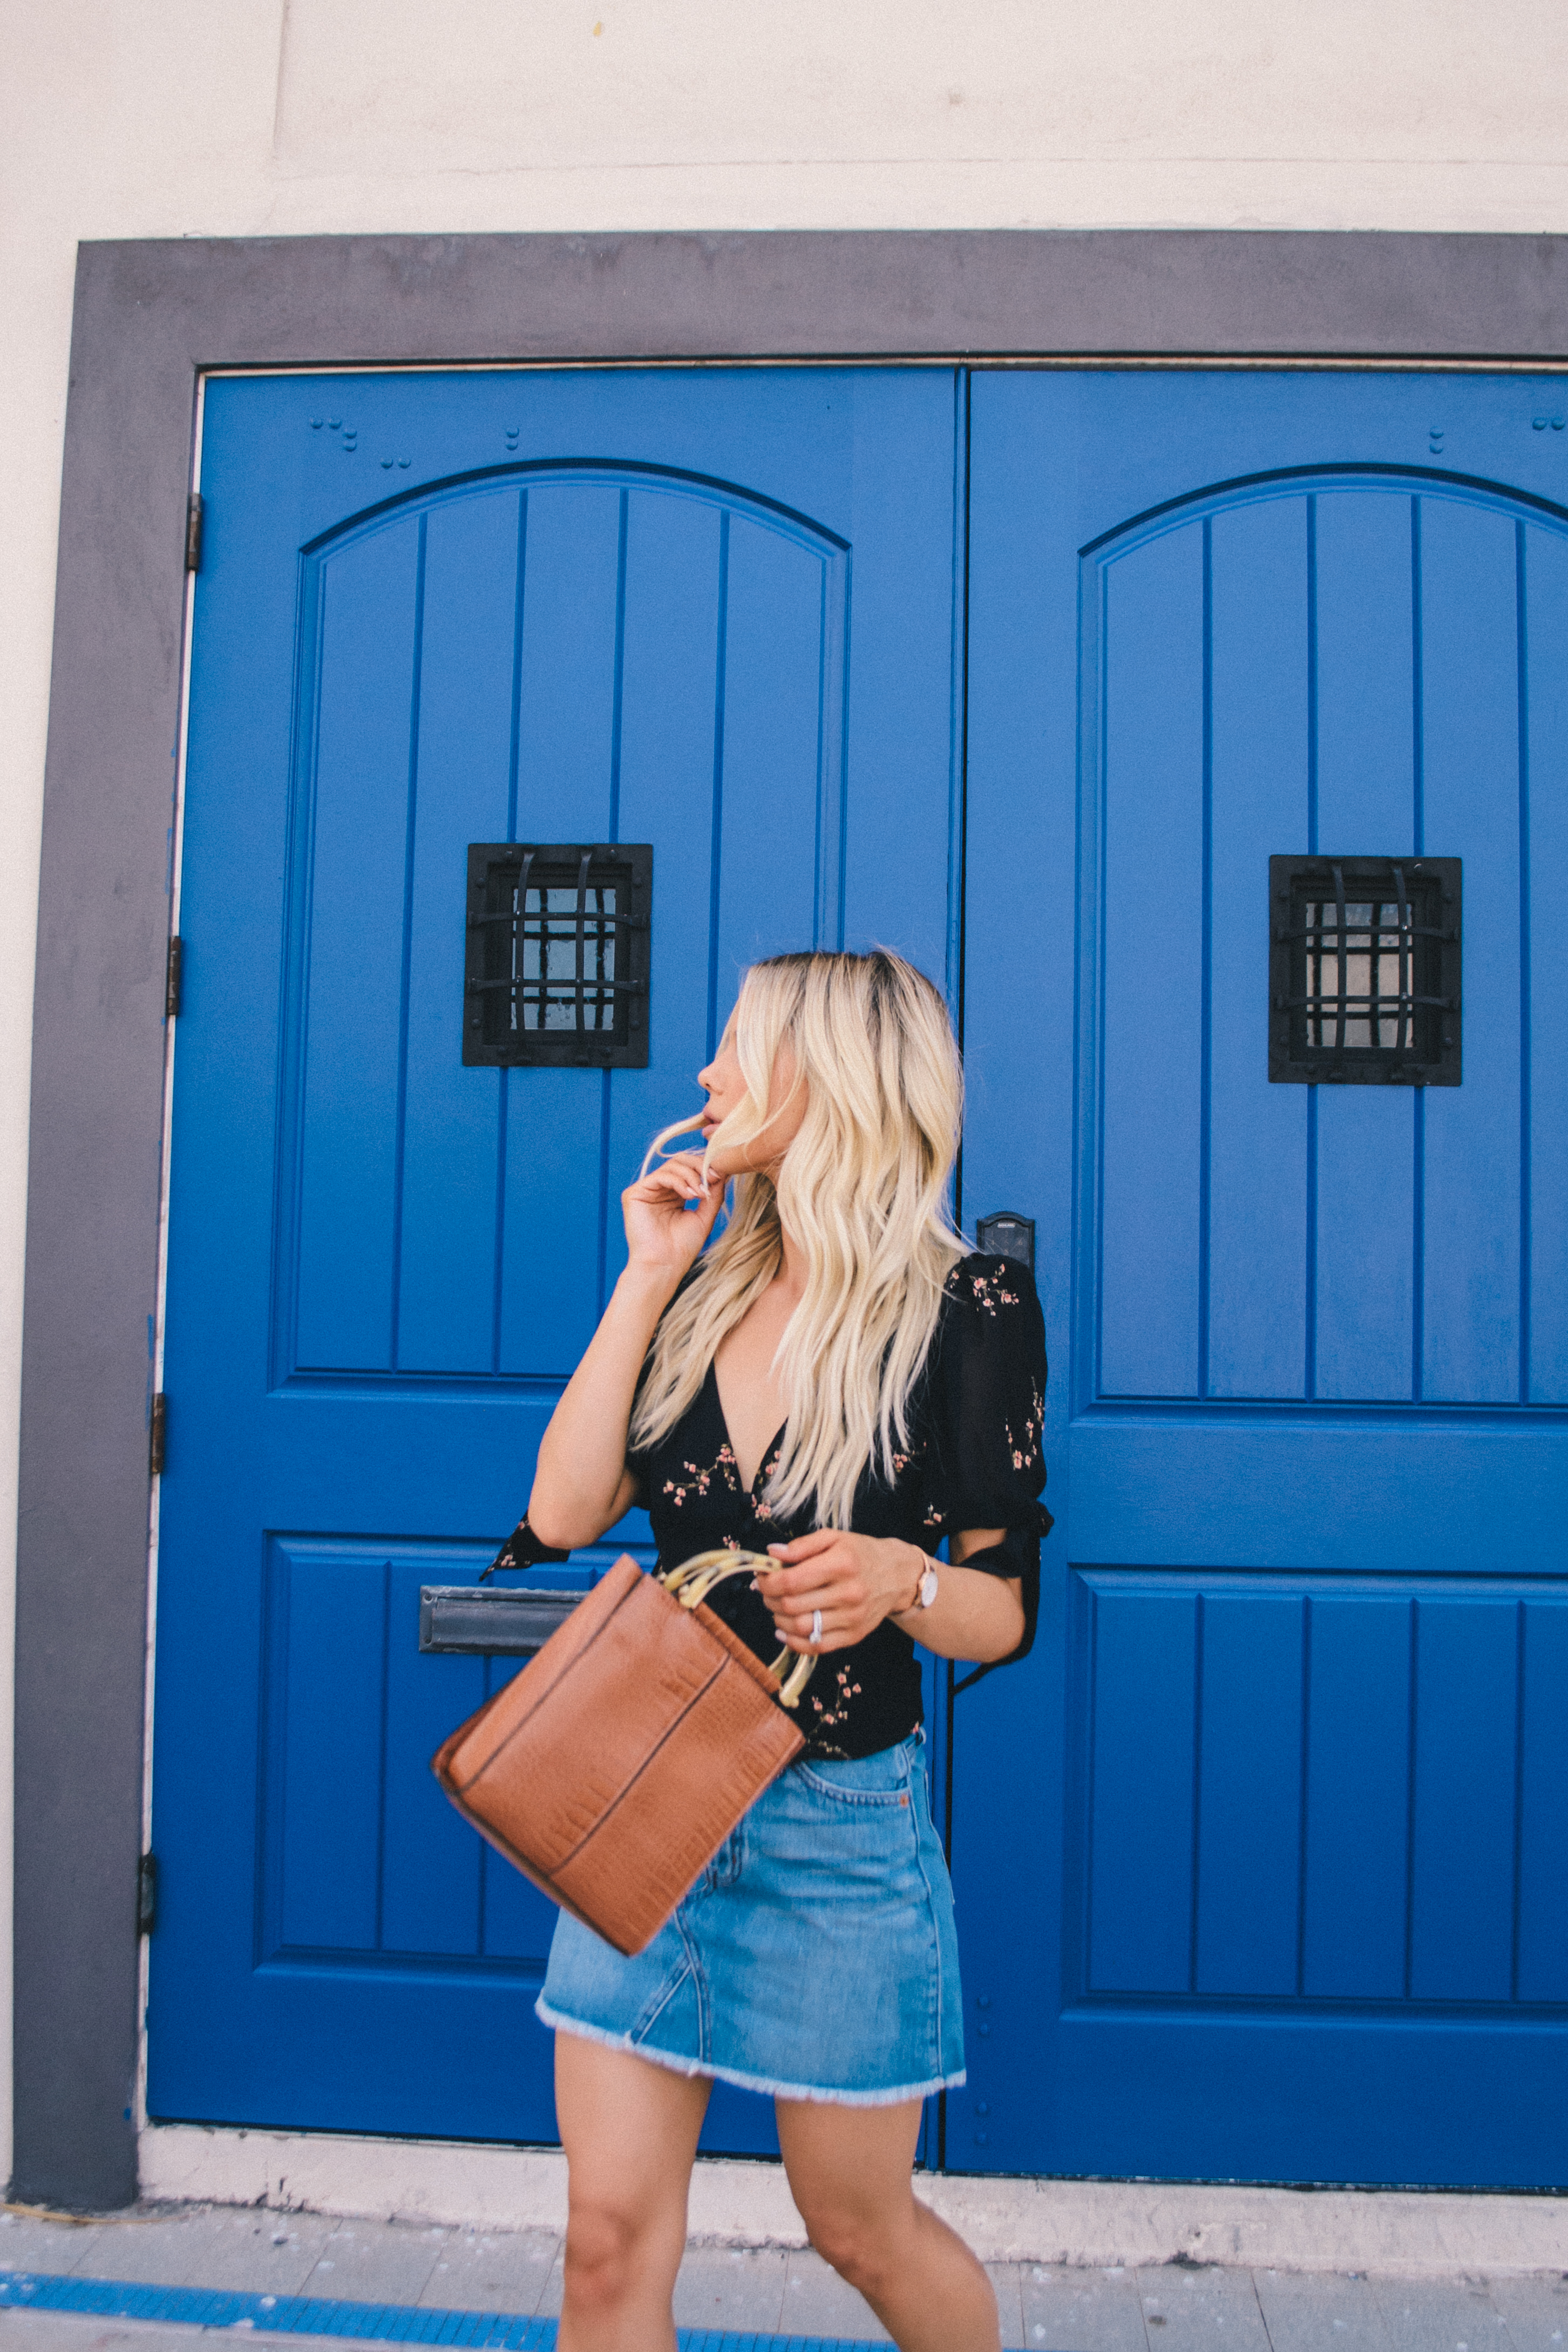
x=1262, y=1861
x=434, y=610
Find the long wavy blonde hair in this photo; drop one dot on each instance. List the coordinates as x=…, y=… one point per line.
x=862, y=1188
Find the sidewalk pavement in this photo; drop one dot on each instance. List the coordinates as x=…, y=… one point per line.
x=758, y=2297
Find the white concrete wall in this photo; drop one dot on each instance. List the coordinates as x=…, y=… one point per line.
x=225, y=118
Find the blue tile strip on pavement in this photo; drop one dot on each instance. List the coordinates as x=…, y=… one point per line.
x=316, y=2315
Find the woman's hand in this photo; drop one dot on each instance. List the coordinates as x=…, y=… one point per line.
x=857, y=1580
x=854, y=1580
x=664, y=1233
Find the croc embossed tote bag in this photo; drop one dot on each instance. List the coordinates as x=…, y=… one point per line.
x=611, y=1770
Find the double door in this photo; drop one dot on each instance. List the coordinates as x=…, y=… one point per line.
x=1260, y=1858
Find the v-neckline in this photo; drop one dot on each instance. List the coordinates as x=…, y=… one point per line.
x=768, y=1450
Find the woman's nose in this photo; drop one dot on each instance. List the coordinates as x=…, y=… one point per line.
x=704, y=1079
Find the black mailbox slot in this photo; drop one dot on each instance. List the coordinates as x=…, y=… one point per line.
x=457, y=1618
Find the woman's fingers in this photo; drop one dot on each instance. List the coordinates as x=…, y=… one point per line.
x=818, y=1585
x=785, y=1583
x=805, y=1546
x=833, y=1613
x=830, y=1563
x=679, y=1163
x=834, y=1609
x=834, y=1637
x=845, y=1615
x=676, y=1180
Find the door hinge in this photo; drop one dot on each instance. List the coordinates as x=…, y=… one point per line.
x=171, y=977
x=147, y=1894
x=193, y=532
x=155, y=1442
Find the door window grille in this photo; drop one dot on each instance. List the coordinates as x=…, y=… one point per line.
x=558, y=953
x=1364, y=971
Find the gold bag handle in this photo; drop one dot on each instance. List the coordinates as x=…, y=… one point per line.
x=695, y=1579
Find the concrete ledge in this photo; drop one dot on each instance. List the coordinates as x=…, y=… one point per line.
x=1095, y=2224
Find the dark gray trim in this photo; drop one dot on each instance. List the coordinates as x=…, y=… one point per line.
x=149, y=316
x=790, y=295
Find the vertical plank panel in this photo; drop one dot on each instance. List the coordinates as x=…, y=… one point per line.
x=1250, y=1806
x=1257, y=1133
x=773, y=750
x=1469, y=670
x=354, y=984
x=567, y=713
x=900, y=751
x=1140, y=1846
x=430, y=1888
x=1357, y=1797
x=1366, y=792
x=668, y=707
x=549, y=1272
x=1152, y=665
x=1546, y=633
x=447, y=1260
x=331, y=1793
x=1461, y=1922
x=1543, y=1816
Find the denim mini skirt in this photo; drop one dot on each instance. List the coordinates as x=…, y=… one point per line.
x=816, y=1957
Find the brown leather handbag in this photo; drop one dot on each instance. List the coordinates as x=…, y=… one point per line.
x=611, y=1770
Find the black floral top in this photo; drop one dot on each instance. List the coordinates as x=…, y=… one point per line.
x=974, y=1460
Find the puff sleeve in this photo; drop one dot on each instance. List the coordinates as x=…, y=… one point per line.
x=985, y=1466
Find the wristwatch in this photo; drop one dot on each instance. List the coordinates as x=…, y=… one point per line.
x=925, y=1590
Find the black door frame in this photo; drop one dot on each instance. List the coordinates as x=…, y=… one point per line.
x=151, y=315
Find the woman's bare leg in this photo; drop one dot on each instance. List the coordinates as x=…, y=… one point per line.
x=630, y=2131
x=850, y=2173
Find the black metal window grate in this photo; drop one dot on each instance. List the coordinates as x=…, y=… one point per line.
x=558, y=953
x=1364, y=971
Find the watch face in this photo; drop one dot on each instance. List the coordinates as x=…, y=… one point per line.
x=928, y=1588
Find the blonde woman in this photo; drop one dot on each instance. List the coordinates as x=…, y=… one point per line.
x=836, y=1382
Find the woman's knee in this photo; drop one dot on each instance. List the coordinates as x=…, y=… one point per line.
x=614, y=2249
x=862, y=2247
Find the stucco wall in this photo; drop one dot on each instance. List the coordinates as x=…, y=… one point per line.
x=295, y=117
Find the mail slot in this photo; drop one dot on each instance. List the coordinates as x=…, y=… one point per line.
x=458, y=1617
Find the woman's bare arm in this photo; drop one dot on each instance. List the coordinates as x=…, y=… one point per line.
x=969, y=1607
x=582, y=1485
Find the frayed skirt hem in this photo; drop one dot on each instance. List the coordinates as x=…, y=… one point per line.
x=812, y=2093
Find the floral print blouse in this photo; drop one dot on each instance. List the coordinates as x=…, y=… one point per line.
x=974, y=1460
